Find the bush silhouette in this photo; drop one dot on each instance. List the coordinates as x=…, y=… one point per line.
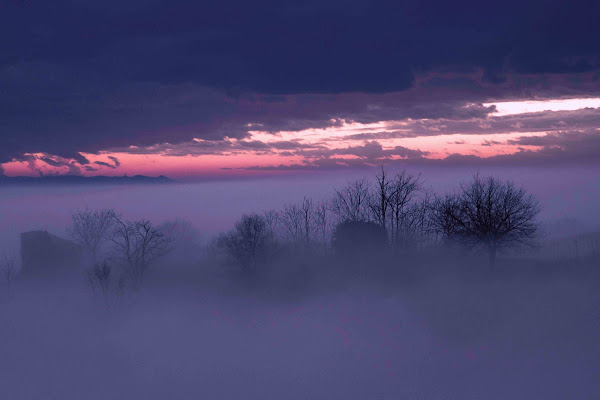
x=357, y=238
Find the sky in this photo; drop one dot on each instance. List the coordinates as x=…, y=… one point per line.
x=209, y=89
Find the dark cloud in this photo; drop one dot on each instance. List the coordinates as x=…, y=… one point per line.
x=51, y=162
x=79, y=158
x=490, y=143
x=72, y=166
x=33, y=163
x=105, y=164
x=282, y=47
x=562, y=148
x=115, y=160
x=374, y=152
x=219, y=147
x=369, y=154
x=89, y=76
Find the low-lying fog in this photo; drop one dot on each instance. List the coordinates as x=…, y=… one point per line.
x=568, y=196
x=444, y=338
x=445, y=329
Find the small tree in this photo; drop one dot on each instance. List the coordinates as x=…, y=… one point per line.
x=138, y=244
x=100, y=277
x=248, y=242
x=90, y=229
x=491, y=213
x=358, y=240
x=8, y=270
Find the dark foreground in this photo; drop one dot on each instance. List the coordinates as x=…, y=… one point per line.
x=442, y=337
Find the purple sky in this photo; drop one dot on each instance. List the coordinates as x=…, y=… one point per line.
x=234, y=88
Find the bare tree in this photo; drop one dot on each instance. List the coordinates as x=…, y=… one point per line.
x=351, y=203
x=494, y=214
x=182, y=235
x=8, y=270
x=307, y=219
x=178, y=229
x=380, y=200
x=404, y=189
x=138, y=244
x=419, y=221
x=272, y=219
x=91, y=229
x=323, y=225
x=100, y=277
x=291, y=218
x=248, y=242
x=443, y=217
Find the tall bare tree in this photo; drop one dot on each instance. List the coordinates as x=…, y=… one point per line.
x=494, y=214
x=404, y=189
x=307, y=219
x=323, y=224
x=380, y=200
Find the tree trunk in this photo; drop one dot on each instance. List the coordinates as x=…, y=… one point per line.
x=492, y=255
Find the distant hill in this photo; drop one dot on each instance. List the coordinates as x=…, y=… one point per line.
x=79, y=180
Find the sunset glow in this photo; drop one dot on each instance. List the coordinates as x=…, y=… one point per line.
x=522, y=107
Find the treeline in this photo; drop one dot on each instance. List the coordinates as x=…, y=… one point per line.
x=118, y=252
x=394, y=214
x=391, y=216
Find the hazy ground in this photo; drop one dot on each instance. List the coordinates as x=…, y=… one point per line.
x=434, y=338
x=197, y=333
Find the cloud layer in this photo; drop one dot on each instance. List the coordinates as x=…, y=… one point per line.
x=91, y=78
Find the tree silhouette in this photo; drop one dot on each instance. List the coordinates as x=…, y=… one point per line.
x=247, y=243
x=403, y=189
x=351, y=203
x=490, y=213
x=138, y=244
x=359, y=239
x=90, y=228
x=8, y=270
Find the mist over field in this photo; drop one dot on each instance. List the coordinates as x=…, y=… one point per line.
x=441, y=339
x=569, y=198
x=305, y=325
x=315, y=199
